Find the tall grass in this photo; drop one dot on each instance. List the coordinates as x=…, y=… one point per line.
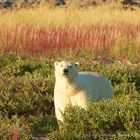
x=103, y=40
x=63, y=17
x=106, y=31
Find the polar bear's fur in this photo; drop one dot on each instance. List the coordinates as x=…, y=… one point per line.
x=73, y=87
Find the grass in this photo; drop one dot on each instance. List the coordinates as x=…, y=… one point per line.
x=63, y=17
x=104, y=40
x=106, y=31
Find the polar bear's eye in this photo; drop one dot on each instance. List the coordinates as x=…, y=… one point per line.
x=70, y=66
x=61, y=65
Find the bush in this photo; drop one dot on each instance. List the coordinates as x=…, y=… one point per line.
x=26, y=100
x=44, y=123
x=105, y=119
x=26, y=87
x=14, y=128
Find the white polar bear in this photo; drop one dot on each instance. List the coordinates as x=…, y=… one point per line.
x=73, y=87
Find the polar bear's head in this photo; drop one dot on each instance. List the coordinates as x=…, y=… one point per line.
x=66, y=69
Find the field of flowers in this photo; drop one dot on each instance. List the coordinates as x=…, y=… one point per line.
x=32, y=39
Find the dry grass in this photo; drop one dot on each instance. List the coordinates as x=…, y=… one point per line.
x=61, y=17
x=107, y=31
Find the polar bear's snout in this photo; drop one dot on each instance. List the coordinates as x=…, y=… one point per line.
x=65, y=71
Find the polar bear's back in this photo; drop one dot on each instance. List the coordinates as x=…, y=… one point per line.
x=90, y=77
x=88, y=73
x=96, y=85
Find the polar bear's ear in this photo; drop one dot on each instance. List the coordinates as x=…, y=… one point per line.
x=77, y=64
x=56, y=63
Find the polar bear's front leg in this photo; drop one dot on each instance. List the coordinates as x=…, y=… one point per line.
x=59, y=113
x=60, y=103
x=80, y=99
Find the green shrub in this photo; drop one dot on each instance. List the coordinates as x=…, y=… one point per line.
x=26, y=100
x=14, y=128
x=25, y=95
x=44, y=123
x=19, y=66
x=104, y=119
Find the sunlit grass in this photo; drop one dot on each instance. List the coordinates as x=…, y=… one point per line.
x=60, y=17
x=107, y=31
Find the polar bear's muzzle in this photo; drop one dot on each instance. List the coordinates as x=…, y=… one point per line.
x=65, y=72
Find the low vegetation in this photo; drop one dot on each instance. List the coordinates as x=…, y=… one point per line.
x=26, y=101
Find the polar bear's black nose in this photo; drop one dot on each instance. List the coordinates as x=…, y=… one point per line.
x=65, y=70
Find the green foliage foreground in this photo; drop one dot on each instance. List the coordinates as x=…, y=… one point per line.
x=26, y=102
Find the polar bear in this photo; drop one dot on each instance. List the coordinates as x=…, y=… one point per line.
x=73, y=87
